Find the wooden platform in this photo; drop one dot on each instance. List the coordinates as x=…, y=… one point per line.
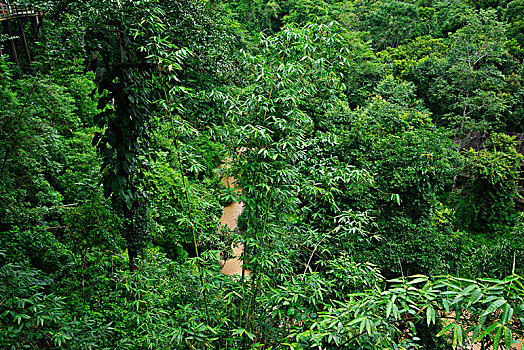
x=14, y=19
x=8, y=12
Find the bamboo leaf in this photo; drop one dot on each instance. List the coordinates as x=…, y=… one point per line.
x=445, y=303
x=455, y=336
x=485, y=332
x=430, y=315
x=468, y=289
x=396, y=312
x=460, y=335
x=508, y=313
x=445, y=330
x=362, y=325
x=355, y=321
x=494, y=306
x=498, y=336
x=418, y=280
x=508, y=338
x=389, y=308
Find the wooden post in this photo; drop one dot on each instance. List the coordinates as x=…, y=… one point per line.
x=22, y=34
x=11, y=43
x=38, y=22
x=34, y=24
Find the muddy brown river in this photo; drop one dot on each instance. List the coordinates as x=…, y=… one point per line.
x=230, y=218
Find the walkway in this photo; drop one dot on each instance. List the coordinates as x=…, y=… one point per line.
x=18, y=11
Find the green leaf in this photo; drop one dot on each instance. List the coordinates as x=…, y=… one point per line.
x=430, y=315
x=478, y=327
x=498, y=336
x=508, y=313
x=455, y=335
x=494, y=306
x=445, y=303
x=390, y=306
x=460, y=335
x=396, y=312
x=468, y=289
x=418, y=280
x=508, y=338
x=363, y=325
x=485, y=332
x=475, y=296
x=357, y=320
x=368, y=326
x=445, y=330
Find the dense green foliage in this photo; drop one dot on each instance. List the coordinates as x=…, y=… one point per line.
x=373, y=217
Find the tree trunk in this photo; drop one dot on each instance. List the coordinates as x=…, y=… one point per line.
x=130, y=237
x=131, y=253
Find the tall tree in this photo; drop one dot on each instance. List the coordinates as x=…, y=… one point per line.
x=119, y=39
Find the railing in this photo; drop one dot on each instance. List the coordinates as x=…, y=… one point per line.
x=12, y=11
